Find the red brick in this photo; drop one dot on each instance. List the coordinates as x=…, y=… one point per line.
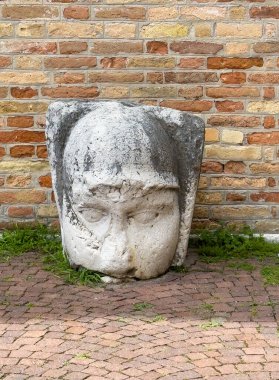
x=70, y=63
x=260, y=138
x=212, y=167
x=72, y=47
x=229, y=106
x=264, y=78
x=3, y=92
x=157, y=47
x=69, y=78
x=264, y=168
x=265, y=197
x=155, y=77
x=114, y=62
x=22, y=136
x=271, y=182
x=63, y=1
x=269, y=122
x=233, y=78
x=126, y=13
x=42, y=151
x=191, y=47
x=28, y=47
x=264, y=12
x=192, y=63
x=5, y=62
x=22, y=196
x=24, y=92
x=78, y=13
x=115, y=77
x=191, y=92
x=18, y=180
x=269, y=93
x=266, y=47
x=20, y=151
x=190, y=77
x=114, y=47
x=187, y=105
x=233, y=63
x=207, y=362
x=29, y=12
x=20, y=121
x=235, y=167
x=20, y=212
x=2, y=152
x=234, y=121
x=45, y=181
x=232, y=92
x=70, y=92
x=235, y=197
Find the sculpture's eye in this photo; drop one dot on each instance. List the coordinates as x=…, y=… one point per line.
x=145, y=216
x=93, y=215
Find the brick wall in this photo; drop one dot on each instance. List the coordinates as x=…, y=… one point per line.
x=217, y=58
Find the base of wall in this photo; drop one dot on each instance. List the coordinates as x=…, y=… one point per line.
x=267, y=237
x=270, y=237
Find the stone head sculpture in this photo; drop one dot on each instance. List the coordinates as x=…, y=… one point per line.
x=125, y=178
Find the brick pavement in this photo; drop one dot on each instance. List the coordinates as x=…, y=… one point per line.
x=212, y=323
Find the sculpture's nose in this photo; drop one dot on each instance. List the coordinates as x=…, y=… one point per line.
x=115, y=245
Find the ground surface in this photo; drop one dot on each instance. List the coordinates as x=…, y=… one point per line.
x=213, y=323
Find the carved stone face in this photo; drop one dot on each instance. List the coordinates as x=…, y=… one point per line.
x=121, y=214
x=125, y=178
x=122, y=231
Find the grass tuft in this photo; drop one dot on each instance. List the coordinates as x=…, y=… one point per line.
x=140, y=306
x=47, y=242
x=271, y=274
x=179, y=269
x=212, y=324
x=226, y=243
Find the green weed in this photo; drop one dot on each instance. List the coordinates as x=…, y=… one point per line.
x=140, y=306
x=271, y=274
x=158, y=318
x=46, y=241
x=122, y=319
x=254, y=309
x=207, y=306
x=242, y=266
x=179, y=269
x=8, y=278
x=226, y=243
x=5, y=302
x=213, y=323
x=83, y=356
x=22, y=239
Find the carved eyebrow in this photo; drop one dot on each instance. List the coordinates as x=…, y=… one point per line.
x=144, y=190
x=104, y=202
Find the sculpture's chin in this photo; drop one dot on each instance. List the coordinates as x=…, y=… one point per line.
x=134, y=274
x=116, y=270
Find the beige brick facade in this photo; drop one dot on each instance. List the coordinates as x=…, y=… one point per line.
x=218, y=59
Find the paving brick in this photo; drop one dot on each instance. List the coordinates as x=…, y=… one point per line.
x=75, y=339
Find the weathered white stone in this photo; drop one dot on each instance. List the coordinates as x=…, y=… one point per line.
x=125, y=178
